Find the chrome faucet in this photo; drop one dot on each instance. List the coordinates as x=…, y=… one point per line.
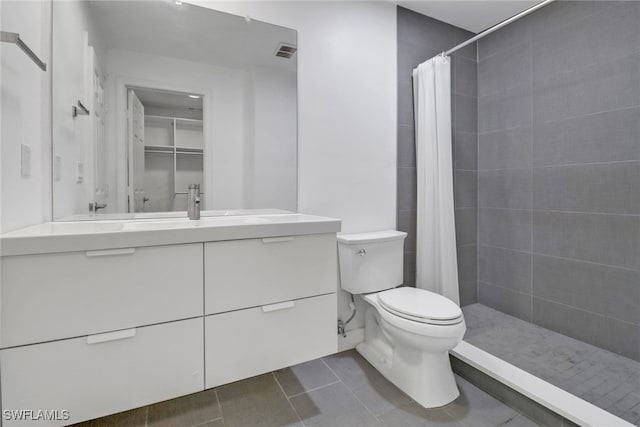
x=95, y=206
x=193, y=201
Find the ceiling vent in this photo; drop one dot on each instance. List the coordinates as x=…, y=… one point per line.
x=285, y=50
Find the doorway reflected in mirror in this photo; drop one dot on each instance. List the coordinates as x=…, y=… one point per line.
x=167, y=143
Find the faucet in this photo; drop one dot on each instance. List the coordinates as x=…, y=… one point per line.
x=95, y=206
x=193, y=202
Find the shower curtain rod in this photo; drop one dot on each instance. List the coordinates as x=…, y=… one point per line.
x=497, y=26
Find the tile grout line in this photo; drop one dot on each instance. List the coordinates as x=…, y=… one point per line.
x=533, y=296
x=559, y=165
x=287, y=397
x=531, y=173
x=488, y=132
x=563, y=71
x=209, y=421
x=215, y=392
x=560, y=27
x=523, y=252
x=616, y=401
x=477, y=215
x=313, y=389
x=351, y=391
x=607, y=162
x=557, y=211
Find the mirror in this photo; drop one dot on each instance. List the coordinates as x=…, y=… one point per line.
x=150, y=96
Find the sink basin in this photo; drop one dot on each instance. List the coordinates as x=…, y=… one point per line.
x=83, y=227
x=178, y=223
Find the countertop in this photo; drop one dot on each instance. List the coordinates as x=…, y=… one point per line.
x=71, y=236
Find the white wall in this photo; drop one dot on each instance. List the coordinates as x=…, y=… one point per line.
x=25, y=116
x=347, y=102
x=72, y=136
x=270, y=176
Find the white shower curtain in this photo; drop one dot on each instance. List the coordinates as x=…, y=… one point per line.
x=436, y=260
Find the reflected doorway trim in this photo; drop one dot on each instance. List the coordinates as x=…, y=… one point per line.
x=120, y=139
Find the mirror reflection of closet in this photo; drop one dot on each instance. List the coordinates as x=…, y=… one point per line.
x=168, y=150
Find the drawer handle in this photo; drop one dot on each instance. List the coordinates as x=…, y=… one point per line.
x=278, y=306
x=277, y=239
x=111, y=336
x=111, y=252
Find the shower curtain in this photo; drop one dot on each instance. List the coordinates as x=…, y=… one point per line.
x=436, y=260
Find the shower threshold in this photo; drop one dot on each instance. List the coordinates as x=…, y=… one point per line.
x=582, y=383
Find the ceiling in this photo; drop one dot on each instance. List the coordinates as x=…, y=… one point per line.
x=472, y=15
x=165, y=99
x=203, y=35
x=172, y=104
x=191, y=33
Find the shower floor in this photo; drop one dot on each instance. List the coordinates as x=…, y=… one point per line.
x=603, y=378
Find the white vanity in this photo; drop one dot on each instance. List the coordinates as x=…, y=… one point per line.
x=98, y=317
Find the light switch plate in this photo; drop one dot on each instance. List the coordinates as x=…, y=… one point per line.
x=57, y=168
x=79, y=172
x=25, y=161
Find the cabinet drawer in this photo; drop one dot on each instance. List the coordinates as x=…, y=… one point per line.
x=104, y=374
x=254, y=272
x=245, y=343
x=54, y=296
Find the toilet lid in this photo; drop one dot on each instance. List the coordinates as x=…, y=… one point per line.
x=420, y=305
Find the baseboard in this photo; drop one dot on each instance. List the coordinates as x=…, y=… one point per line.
x=539, y=400
x=353, y=338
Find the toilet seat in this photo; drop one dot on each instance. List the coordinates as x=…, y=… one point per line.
x=420, y=305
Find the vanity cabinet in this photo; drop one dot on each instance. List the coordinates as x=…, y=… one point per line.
x=254, y=272
x=103, y=331
x=245, y=343
x=269, y=303
x=62, y=295
x=104, y=374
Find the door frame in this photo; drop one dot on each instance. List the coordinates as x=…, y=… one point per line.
x=120, y=139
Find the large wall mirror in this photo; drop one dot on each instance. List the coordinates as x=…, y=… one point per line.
x=151, y=96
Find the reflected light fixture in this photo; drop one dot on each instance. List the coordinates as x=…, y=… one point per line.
x=194, y=96
x=178, y=3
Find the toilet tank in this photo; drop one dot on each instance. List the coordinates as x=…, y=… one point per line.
x=371, y=262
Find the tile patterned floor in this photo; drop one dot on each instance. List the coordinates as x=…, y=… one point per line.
x=341, y=390
x=607, y=380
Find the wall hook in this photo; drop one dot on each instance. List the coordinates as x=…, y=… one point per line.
x=79, y=110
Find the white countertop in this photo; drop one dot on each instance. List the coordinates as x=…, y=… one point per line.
x=167, y=215
x=70, y=236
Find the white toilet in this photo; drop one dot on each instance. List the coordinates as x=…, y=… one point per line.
x=408, y=331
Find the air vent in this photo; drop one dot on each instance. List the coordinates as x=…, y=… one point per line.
x=286, y=50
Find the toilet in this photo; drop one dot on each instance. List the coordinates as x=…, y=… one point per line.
x=408, y=331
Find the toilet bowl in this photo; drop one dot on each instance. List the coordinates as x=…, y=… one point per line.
x=408, y=331
x=413, y=353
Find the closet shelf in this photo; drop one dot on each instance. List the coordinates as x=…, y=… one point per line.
x=158, y=149
x=194, y=121
x=179, y=144
x=158, y=120
x=189, y=150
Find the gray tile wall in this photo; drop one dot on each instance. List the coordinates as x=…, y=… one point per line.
x=559, y=171
x=420, y=38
